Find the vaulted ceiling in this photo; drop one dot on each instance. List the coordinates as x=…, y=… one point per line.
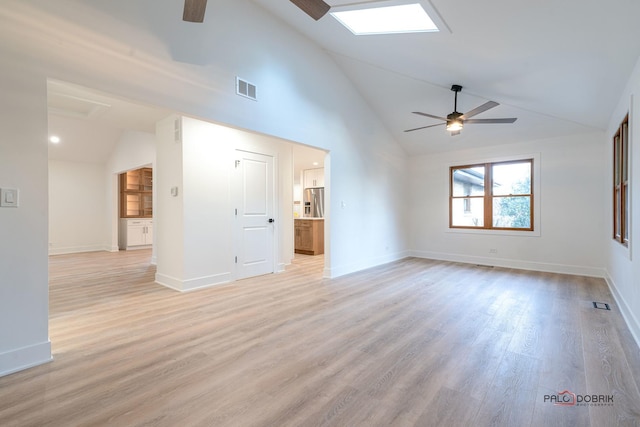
x=558, y=66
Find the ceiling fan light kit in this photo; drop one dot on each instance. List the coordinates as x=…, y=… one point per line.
x=455, y=121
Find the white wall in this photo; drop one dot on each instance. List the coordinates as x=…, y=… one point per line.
x=196, y=246
x=77, y=207
x=623, y=264
x=168, y=224
x=571, y=224
x=134, y=150
x=24, y=337
x=77, y=42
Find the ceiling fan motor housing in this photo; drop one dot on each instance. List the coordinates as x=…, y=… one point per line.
x=454, y=117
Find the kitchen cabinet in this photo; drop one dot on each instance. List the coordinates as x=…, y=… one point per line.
x=136, y=187
x=135, y=233
x=313, y=178
x=309, y=236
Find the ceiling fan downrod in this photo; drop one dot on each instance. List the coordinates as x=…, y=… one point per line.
x=456, y=89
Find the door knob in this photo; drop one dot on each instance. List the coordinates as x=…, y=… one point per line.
x=272, y=220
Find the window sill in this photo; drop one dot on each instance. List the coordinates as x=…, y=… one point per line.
x=481, y=231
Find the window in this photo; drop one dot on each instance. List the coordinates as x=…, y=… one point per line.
x=492, y=196
x=387, y=17
x=621, y=183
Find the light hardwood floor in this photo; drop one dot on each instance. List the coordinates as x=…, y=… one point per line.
x=411, y=343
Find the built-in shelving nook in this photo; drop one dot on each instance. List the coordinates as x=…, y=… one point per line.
x=136, y=209
x=136, y=200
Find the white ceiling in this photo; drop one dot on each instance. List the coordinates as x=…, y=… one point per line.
x=90, y=122
x=558, y=66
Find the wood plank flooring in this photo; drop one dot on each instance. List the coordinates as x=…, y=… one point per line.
x=411, y=343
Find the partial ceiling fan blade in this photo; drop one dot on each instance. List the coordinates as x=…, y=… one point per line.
x=194, y=10
x=476, y=121
x=314, y=8
x=424, y=127
x=484, y=107
x=429, y=115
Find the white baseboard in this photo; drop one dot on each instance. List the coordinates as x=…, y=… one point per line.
x=629, y=317
x=77, y=249
x=329, y=273
x=511, y=263
x=192, y=284
x=25, y=358
x=138, y=248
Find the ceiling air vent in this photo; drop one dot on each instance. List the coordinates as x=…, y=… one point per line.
x=246, y=89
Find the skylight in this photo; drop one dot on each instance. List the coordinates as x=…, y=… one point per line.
x=385, y=18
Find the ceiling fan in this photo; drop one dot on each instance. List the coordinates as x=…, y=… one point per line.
x=194, y=9
x=455, y=121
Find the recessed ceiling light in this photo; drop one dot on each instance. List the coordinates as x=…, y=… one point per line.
x=315, y=163
x=54, y=139
x=386, y=17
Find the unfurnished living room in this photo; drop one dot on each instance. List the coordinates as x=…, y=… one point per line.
x=308, y=212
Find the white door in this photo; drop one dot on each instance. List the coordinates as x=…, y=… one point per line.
x=255, y=225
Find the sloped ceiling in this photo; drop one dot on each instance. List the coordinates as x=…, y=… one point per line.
x=90, y=122
x=559, y=67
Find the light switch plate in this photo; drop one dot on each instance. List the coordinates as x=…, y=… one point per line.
x=8, y=197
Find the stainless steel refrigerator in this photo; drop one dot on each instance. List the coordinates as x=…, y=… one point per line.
x=314, y=202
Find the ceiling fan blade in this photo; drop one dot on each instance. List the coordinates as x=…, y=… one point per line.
x=484, y=107
x=314, y=8
x=430, y=115
x=194, y=10
x=509, y=120
x=424, y=127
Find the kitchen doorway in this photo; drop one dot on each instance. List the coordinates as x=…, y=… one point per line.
x=310, y=203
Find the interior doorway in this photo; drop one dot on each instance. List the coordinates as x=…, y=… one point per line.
x=135, y=208
x=103, y=135
x=311, y=207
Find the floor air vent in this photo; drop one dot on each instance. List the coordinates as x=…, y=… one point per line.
x=246, y=89
x=601, y=305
